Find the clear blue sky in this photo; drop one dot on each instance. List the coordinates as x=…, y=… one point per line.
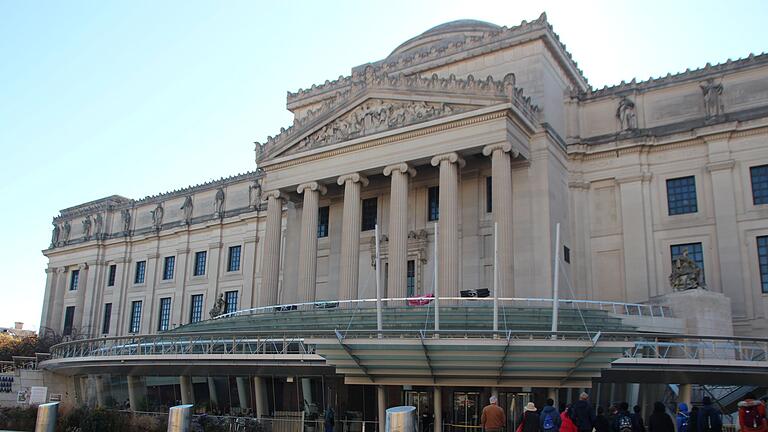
x=139, y=97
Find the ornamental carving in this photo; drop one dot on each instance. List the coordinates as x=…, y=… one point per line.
x=626, y=114
x=376, y=116
x=713, y=103
x=685, y=273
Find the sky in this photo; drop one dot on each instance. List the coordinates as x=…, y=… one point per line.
x=140, y=97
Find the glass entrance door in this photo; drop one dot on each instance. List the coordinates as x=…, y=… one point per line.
x=513, y=404
x=423, y=402
x=466, y=408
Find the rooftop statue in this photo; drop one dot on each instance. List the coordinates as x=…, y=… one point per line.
x=686, y=274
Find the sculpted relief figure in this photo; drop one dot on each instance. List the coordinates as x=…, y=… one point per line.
x=218, y=203
x=187, y=209
x=99, y=222
x=87, y=227
x=713, y=104
x=157, y=216
x=126, y=214
x=67, y=231
x=626, y=114
x=55, y=235
x=254, y=195
x=219, y=306
x=685, y=273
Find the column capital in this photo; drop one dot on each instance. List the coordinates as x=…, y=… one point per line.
x=60, y=270
x=402, y=167
x=354, y=178
x=503, y=146
x=276, y=194
x=313, y=186
x=451, y=157
x=83, y=266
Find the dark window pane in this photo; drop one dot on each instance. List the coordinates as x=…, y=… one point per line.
x=107, y=318
x=762, y=254
x=112, y=273
x=168, y=267
x=489, y=194
x=759, y=176
x=322, y=221
x=370, y=210
x=681, y=195
x=433, y=203
x=566, y=254
x=196, y=311
x=200, y=258
x=411, y=278
x=231, y=301
x=74, y=280
x=141, y=268
x=165, y=314
x=233, y=264
x=69, y=318
x=135, y=324
x=695, y=252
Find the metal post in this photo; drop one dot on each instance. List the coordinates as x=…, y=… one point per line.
x=495, y=278
x=47, y=415
x=437, y=286
x=555, y=293
x=180, y=418
x=379, y=324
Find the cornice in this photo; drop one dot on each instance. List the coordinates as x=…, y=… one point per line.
x=720, y=165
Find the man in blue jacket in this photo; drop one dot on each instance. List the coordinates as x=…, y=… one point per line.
x=582, y=414
x=549, y=419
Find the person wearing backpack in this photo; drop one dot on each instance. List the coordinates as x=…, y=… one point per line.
x=549, y=418
x=683, y=418
x=660, y=421
x=623, y=421
x=710, y=419
x=752, y=416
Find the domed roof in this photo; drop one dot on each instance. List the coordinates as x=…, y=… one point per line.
x=443, y=34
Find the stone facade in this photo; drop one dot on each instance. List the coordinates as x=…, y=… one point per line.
x=472, y=108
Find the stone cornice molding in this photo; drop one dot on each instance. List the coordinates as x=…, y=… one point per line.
x=579, y=184
x=215, y=245
x=182, y=251
x=153, y=256
x=313, y=186
x=644, y=177
x=402, y=167
x=251, y=239
x=354, y=178
x=720, y=165
x=451, y=157
x=503, y=146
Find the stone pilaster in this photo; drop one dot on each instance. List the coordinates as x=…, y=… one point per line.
x=82, y=285
x=398, y=228
x=448, y=246
x=501, y=177
x=635, y=252
x=350, y=235
x=48, y=300
x=272, y=240
x=308, y=240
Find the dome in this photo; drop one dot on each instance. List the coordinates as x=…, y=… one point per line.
x=443, y=34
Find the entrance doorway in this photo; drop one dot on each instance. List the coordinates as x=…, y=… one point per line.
x=466, y=408
x=513, y=403
x=422, y=400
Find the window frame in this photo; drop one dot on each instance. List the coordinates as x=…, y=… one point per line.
x=169, y=267
x=69, y=321
x=74, y=279
x=433, y=203
x=762, y=268
x=681, y=202
x=323, y=221
x=111, y=275
x=164, y=315
x=106, y=319
x=236, y=267
x=199, y=268
x=194, y=311
x=134, y=323
x=410, y=278
x=370, y=209
x=489, y=194
x=763, y=198
x=140, y=273
x=227, y=304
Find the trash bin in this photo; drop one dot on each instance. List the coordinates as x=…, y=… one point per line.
x=401, y=419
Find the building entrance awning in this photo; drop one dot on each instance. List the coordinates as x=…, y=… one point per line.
x=505, y=361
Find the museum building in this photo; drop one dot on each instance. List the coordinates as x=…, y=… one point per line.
x=494, y=175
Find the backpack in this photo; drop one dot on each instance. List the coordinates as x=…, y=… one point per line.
x=548, y=424
x=753, y=420
x=625, y=423
x=684, y=422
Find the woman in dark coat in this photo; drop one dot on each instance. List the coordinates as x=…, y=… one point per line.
x=660, y=421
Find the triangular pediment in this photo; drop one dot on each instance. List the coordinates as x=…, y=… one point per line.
x=380, y=103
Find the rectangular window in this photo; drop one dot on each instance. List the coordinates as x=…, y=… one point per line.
x=168, y=265
x=165, y=314
x=69, y=318
x=433, y=203
x=141, y=268
x=681, y=195
x=489, y=194
x=74, y=280
x=233, y=263
x=566, y=254
x=196, y=310
x=107, y=318
x=411, y=278
x=231, y=298
x=322, y=221
x=111, y=275
x=762, y=256
x=135, y=324
x=370, y=211
x=200, y=258
x=695, y=252
x=759, y=176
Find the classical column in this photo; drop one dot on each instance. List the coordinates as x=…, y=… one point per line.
x=381, y=399
x=308, y=240
x=635, y=252
x=350, y=235
x=213, y=395
x=501, y=177
x=272, y=240
x=398, y=229
x=187, y=390
x=684, y=394
x=100, y=396
x=437, y=403
x=243, y=392
x=135, y=391
x=80, y=313
x=59, y=286
x=260, y=391
x=448, y=243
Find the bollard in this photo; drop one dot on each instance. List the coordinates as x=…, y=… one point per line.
x=401, y=419
x=47, y=414
x=180, y=418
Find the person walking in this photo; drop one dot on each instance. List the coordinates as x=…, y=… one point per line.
x=601, y=421
x=493, y=418
x=710, y=419
x=530, y=421
x=752, y=416
x=638, y=425
x=329, y=420
x=623, y=421
x=660, y=421
x=683, y=418
x=549, y=418
x=582, y=414
x=566, y=424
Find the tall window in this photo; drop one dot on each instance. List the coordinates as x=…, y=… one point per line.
x=135, y=324
x=762, y=255
x=200, y=258
x=681, y=195
x=233, y=263
x=69, y=318
x=322, y=221
x=695, y=252
x=168, y=265
x=489, y=194
x=107, y=318
x=231, y=298
x=111, y=275
x=196, y=310
x=759, y=176
x=74, y=280
x=411, y=278
x=165, y=314
x=370, y=210
x=433, y=203
x=141, y=268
